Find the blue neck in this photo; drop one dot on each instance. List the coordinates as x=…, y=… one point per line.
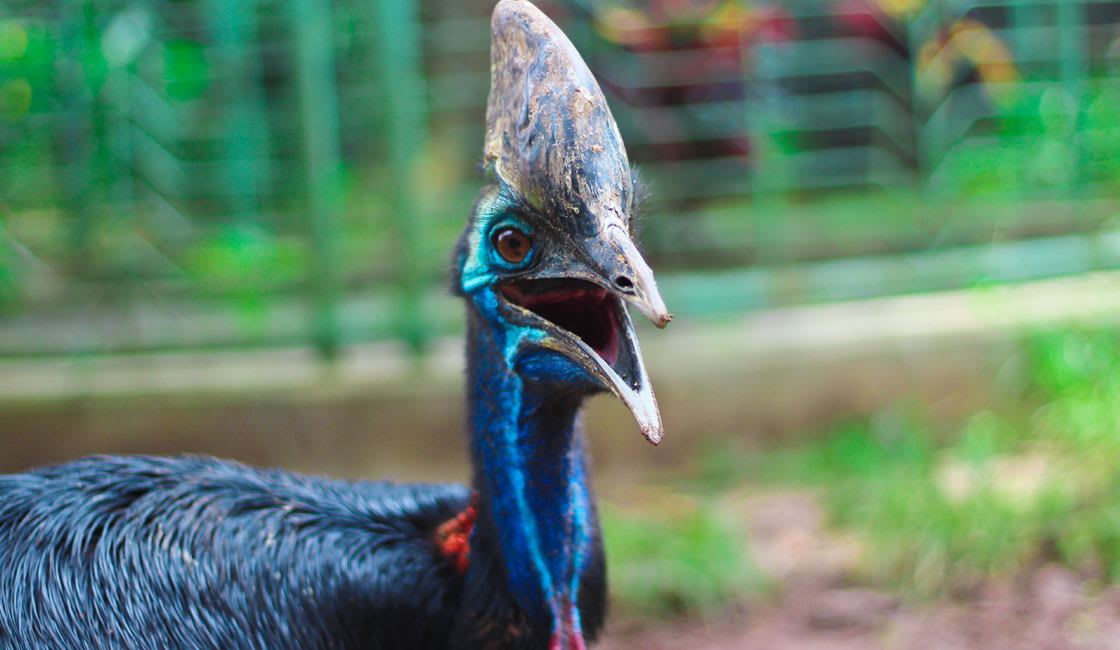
x=531, y=471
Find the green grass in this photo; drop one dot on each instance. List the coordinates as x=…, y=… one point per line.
x=682, y=556
x=938, y=508
x=942, y=508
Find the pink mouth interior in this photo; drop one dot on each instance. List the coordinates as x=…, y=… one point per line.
x=584, y=309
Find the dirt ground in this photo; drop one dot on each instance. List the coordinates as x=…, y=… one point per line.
x=1050, y=609
x=816, y=607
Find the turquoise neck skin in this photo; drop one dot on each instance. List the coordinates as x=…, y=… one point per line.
x=530, y=465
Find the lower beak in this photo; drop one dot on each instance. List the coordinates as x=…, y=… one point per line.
x=618, y=367
x=635, y=389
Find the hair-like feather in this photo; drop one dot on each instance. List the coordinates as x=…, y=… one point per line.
x=193, y=552
x=143, y=553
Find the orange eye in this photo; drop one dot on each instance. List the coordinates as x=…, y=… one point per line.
x=512, y=244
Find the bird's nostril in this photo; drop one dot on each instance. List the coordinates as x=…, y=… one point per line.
x=624, y=283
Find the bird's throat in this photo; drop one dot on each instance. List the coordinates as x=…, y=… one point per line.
x=531, y=477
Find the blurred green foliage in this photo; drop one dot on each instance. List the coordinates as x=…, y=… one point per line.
x=1047, y=144
x=938, y=508
x=145, y=147
x=943, y=507
x=186, y=70
x=681, y=556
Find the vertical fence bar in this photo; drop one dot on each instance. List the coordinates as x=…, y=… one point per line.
x=1072, y=44
x=1073, y=64
x=773, y=170
x=918, y=30
x=120, y=138
x=244, y=155
x=1025, y=19
x=76, y=131
x=119, y=92
x=318, y=104
x=400, y=77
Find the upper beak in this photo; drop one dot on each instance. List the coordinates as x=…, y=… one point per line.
x=633, y=279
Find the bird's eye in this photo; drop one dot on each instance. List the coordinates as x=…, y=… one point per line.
x=512, y=244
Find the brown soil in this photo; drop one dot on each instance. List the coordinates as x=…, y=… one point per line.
x=1049, y=609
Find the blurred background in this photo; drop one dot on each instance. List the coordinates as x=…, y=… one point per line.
x=890, y=231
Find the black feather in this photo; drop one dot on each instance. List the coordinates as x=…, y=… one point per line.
x=144, y=553
x=197, y=553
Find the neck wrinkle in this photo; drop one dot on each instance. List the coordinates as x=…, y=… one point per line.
x=530, y=471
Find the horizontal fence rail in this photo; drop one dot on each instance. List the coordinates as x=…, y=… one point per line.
x=255, y=172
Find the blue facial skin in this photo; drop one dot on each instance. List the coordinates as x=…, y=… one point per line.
x=483, y=268
x=533, y=473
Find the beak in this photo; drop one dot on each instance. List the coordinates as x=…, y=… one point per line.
x=579, y=302
x=633, y=279
x=638, y=395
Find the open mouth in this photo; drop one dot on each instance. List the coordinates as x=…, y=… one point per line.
x=578, y=310
x=583, y=308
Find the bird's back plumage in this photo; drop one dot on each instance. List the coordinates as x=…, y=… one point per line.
x=194, y=552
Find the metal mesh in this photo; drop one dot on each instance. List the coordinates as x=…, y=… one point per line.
x=180, y=174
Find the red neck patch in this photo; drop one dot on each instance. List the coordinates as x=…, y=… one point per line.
x=566, y=635
x=453, y=537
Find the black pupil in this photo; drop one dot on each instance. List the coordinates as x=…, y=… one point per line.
x=513, y=244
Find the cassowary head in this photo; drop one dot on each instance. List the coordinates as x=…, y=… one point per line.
x=547, y=257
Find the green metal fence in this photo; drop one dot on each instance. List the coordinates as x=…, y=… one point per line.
x=209, y=173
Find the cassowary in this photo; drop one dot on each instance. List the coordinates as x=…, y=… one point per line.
x=153, y=554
